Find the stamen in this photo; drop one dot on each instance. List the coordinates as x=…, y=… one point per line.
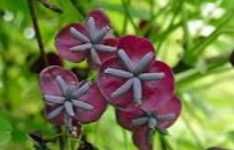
x=82, y=90
x=62, y=84
x=151, y=76
x=144, y=62
x=126, y=60
x=122, y=89
x=118, y=73
x=137, y=90
x=80, y=36
x=140, y=121
x=83, y=105
x=55, y=112
x=91, y=27
x=105, y=48
x=54, y=99
x=166, y=117
x=100, y=34
x=152, y=123
x=82, y=47
x=96, y=59
x=69, y=108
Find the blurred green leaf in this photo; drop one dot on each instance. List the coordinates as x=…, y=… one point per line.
x=5, y=131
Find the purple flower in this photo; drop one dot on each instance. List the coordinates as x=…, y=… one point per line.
x=144, y=121
x=69, y=101
x=92, y=40
x=134, y=76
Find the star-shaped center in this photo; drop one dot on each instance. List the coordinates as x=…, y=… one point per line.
x=92, y=42
x=70, y=98
x=134, y=74
x=152, y=121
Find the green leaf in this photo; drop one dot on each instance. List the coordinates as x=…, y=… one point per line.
x=5, y=131
x=19, y=136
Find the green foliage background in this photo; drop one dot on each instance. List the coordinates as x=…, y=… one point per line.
x=204, y=77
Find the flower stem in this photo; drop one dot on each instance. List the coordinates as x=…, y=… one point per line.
x=37, y=30
x=60, y=139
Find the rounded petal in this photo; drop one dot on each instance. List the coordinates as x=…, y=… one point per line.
x=108, y=84
x=142, y=138
x=64, y=41
x=48, y=83
x=126, y=116
x=173, y=106
x=157, y=91
x=135, y=47
x=100, y=18
x=169, y=106
x=94, y=98
x=38, y=64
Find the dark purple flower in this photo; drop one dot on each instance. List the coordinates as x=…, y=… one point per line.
x=92, y=40
x=134, y=76
x=38, y=64
x=69, y=101
x=143, y=122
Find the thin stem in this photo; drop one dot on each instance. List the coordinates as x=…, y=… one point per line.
x=125, y=4
x=60, y=138
x=165, y=145
x=125, y=25
x=50, y=6
x=37, y=30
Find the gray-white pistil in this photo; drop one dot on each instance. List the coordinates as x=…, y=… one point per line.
x=92, y=42
x=69, y=99
x=134, y=74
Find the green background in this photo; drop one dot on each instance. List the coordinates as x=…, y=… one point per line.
x=204, y=81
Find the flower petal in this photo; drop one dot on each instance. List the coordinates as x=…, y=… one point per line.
x=94, y=98
x=142, y=138
x=157, y=91
x=125, y=117
x=100, y=18
x=38, y=64
x=171, y=107
x=109, y=84
x=65, y=40
x=135, y=47
x=48, y=82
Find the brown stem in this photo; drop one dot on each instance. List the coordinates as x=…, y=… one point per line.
x=37, y=30
x=50, y=6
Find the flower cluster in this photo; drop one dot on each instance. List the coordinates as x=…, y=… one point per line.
x=130, y=78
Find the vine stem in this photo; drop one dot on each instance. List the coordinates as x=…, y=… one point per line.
x=37, y=30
